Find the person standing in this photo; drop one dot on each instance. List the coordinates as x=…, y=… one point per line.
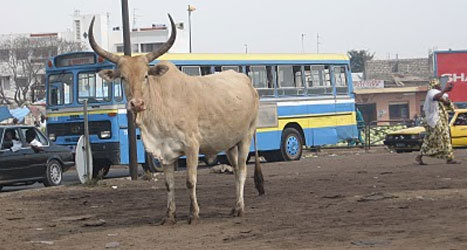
x=437, y=142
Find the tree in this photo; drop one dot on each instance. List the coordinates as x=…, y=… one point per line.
x=23, y=59
x=358, y=59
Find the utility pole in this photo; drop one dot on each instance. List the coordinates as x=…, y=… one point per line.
x=132, y=150
x=190, y=9
x=318, y=42
x=302, y=40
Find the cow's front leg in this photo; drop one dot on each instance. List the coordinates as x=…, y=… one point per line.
x=192, y=165
x=170, y=218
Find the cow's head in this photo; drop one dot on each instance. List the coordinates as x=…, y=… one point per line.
x=134, y=71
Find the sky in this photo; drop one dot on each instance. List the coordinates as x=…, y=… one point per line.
x=407, y=28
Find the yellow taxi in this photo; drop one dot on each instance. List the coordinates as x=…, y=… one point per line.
x=410, y=139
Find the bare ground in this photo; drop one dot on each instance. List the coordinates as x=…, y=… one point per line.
x=329, y=200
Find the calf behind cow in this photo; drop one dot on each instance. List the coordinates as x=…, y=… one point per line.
x=187, y=115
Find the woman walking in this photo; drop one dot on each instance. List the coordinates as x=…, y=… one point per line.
x=437, y=142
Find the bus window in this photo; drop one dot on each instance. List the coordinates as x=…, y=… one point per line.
x=191, y=70
x=118, y=90
x=218, y=69
x=205, y=70
x=318, y=80
x=341, y=83
x=290, y=80
x=93, y=88
x=262, y=79
x=60, y=89
x=235, y=68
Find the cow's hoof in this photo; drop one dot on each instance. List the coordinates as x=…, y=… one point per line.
x=237, y=212
x=168, y=221
x=193, y=220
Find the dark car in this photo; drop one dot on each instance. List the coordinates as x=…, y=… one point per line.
x=27, y=156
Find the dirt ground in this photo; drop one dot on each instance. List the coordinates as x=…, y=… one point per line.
x=333, y=199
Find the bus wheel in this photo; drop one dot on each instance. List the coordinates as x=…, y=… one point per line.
x=210, y=160
x=150, y=165
x=101, y=169
x=272, y=156
x=291, y=145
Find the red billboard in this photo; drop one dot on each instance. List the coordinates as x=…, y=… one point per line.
x=452, y=64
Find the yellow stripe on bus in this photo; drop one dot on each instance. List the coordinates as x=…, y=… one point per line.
x=94, y=112
x=314, y=121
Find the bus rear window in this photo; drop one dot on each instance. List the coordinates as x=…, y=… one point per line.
x=93, y=88
x=60, y=89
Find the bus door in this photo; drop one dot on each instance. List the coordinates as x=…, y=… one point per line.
x=56, y=93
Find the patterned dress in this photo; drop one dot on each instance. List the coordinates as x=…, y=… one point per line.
x=437, y=142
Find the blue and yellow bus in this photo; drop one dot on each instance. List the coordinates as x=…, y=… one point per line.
x=306, y=100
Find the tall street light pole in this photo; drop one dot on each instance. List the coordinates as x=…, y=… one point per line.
x=132, y=153
x=302, y=40
x=190, y=9
x=318, y=42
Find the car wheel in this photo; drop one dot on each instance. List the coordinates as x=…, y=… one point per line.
x=291, y=145
x=53, y=173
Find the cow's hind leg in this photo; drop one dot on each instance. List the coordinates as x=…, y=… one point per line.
x=238, y=157
x=192, y=165
x=170, y=186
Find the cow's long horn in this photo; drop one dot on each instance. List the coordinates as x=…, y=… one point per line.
x=166, y=46
x=100, y=51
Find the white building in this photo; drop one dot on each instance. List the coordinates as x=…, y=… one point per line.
x=144, y=39
x=110, y=38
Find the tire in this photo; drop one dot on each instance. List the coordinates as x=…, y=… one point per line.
x=53, y=174
x=222, y=159
x=101, y=169
x=210, y=162
x=291, y=145
x=248, y=157
x=272, y=156
x=399, y=151
x=181, y=163
x=150, y=165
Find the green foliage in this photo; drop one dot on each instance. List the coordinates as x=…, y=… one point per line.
x=358, y=59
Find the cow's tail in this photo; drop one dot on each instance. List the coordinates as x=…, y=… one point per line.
x=258, y=176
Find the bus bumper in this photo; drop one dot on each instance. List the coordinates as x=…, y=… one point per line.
x=109, y=151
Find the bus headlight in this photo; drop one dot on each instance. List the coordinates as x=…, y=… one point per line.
x=52, y=137
x=105, y=134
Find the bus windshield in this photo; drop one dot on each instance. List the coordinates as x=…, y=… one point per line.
x=60, y=89
x=93, y=88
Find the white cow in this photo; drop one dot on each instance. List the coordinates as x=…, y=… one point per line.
x=187, y=115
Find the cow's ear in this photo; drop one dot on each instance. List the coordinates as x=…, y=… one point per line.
x=109, y=74
x=158, y=70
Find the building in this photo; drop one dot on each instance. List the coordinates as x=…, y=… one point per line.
x=391, y=104
x=394, y=90
x=144, y=39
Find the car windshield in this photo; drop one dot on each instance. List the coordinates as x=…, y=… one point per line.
x=450, y=115
x=60, y=89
